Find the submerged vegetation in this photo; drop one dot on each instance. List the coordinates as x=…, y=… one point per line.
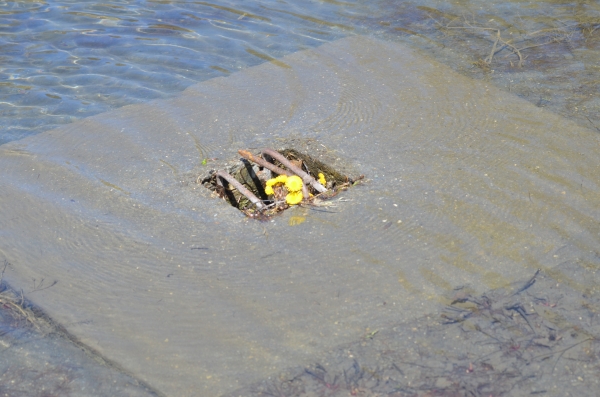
x=14, y=308
x=40, y=358
x=534, y=337
x=265, y=184
x=544, y=52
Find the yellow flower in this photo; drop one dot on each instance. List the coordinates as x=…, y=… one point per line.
x=293, y=198
x=322, y=180
x=294, y=183
x=281, y=178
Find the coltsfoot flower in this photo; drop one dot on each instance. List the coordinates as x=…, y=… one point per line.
x=293, y=198
x=322, y=180
x=281, y=179
x=293, y=183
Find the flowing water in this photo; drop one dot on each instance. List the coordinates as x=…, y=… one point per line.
x=66, y=60
x=474, y=179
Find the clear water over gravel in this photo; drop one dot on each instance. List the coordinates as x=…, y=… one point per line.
x=65, y=60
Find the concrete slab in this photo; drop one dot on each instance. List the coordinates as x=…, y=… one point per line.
x=467, y=185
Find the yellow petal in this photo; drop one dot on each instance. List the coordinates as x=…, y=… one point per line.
x=293, y=183
x=293, y=198
x=269, y=190
x=271, y=182
x=322, y=180
x=281, y=178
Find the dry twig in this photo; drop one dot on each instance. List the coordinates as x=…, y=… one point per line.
x=264, y=163
x=306, y=178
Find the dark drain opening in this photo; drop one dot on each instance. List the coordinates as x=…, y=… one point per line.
x=265, y=183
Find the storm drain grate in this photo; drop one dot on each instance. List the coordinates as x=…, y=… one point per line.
x=266, y=183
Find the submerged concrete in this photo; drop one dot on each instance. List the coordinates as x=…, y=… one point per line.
x=467, y=185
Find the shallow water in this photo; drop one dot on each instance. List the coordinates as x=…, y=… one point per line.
x=468, y=186
x=534, y=337
x=65, y=60
x=545, y=52
x=36, y=363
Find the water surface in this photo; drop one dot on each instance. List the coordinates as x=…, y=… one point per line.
x=65, y=60
x=468, y=187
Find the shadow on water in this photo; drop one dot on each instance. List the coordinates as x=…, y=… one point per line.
x=534, y=337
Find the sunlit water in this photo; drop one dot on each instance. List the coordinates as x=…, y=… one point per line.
x=65, y=60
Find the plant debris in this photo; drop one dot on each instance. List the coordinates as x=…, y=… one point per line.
x=535, y=337
x=266, y=183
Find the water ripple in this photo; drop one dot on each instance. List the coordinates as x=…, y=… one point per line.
x=65, y=60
